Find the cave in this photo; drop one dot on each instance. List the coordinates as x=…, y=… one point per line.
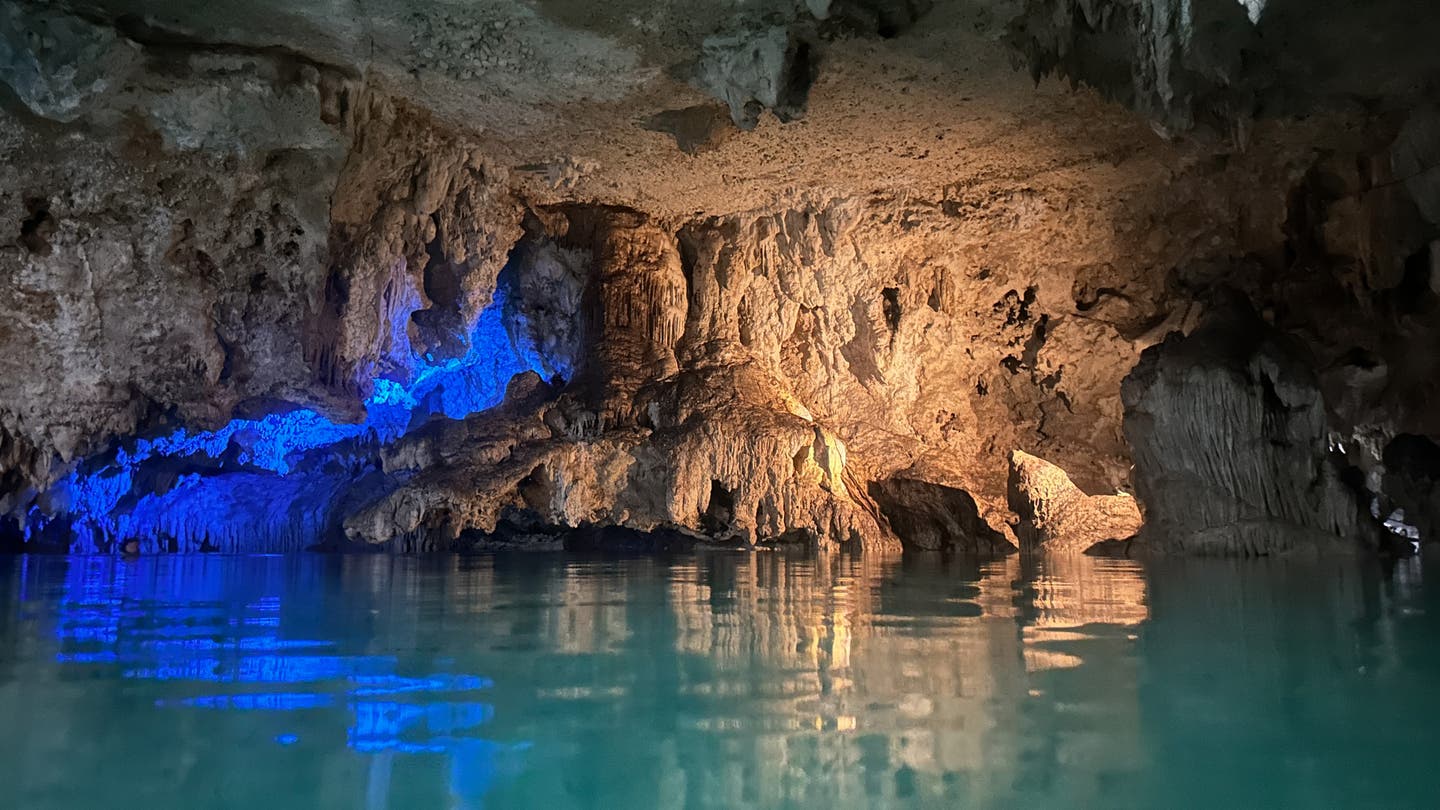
x=310, y=304
x=979, y=286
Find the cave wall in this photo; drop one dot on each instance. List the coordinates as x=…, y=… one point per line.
x=312, y=273
x=1232, y=453
x=1224, y=64
x=166, y=267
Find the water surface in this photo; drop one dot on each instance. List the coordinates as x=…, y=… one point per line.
x=720, y=680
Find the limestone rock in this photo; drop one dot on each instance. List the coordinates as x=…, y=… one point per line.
x=155, y=277
x=421, y=226
x=1223, y=63
x=1227, y=427
x=734, y=472
x=1056, y=515
x=56, y=63
x=265, y=248
x=770, y=68
x=1416, y=155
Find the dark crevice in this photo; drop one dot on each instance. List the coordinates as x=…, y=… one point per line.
x=1275, y=414
x=160, y=40
x=1413, y=455
x=536, y=490
x=1015, y=307
x=1415, y=293
x=934, y=517
x=36, y=228
x=227, y=367
x=720, y=513
x=1035, y=342
x=801, y=69
x=611, y=539
x=891, y=296
x=1087, y=297
x=442, y=328
x=1361, y=358
x=885, y=19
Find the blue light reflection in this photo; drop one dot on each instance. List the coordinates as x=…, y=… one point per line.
x=223, y=640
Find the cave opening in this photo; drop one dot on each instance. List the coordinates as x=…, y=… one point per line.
x=719, y=514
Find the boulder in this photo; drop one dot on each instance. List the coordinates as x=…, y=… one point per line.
x=1056, y=515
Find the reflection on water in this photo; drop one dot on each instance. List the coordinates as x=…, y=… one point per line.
x=724, y=680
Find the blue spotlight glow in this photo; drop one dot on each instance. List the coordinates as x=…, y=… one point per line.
x=264, y=484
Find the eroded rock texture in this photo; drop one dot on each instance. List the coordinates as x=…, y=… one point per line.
x=168, y=270
x=1228, y=431
x=933, y=517
x=1224, y=63
x=768, y=272
x=420, y=227
x=1056, y=515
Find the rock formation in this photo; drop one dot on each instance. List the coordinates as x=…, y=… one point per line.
x=1228, y=431
x=927, y=516
x=1056, y=515
x=1226, y=63
x=426, y=276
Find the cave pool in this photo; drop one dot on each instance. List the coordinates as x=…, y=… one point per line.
x=723, y=680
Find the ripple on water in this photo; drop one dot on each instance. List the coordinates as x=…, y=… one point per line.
x=719, y=680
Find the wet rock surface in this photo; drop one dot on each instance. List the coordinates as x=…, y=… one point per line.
x=1223, y=63
x=772, y=273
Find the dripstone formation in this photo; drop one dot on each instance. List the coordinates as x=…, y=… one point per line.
x=831, y=274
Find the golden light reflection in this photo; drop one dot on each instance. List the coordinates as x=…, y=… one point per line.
x=1071, y=591
x=936, y=676
x=749, y=680
x=1069, y=594
x=812, y=675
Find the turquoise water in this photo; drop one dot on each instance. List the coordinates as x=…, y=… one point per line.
x=724, y=680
